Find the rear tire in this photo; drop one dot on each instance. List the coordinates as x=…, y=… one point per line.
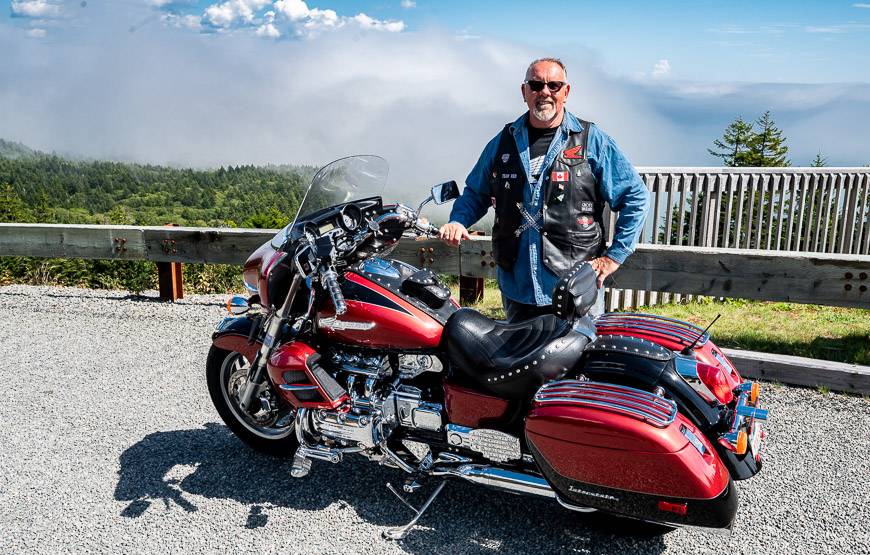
x=271, y=429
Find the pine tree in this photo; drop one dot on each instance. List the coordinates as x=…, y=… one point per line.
x=767, y=146
x=12, y=208
x=734, y=144
x=819, y=161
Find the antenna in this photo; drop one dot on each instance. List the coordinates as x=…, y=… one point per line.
x=700, y=335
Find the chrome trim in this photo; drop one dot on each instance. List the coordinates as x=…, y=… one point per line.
x=571, y=507
x=297, y=387
x=499, y=478
x=684, y=331
x=646, y=406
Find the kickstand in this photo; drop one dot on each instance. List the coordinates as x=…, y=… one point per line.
x=401, y=531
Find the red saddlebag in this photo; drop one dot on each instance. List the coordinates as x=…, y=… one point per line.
x=628, y=451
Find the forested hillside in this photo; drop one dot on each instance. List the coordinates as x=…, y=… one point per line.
x=37, y=187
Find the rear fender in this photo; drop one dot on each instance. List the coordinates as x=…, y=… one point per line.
x=233, y=333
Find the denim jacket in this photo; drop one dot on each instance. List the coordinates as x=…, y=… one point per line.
x=529, y=281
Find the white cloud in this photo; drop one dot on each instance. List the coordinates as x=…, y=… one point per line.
x=292, y=9
x=226, y=14
x=190, y=22
x=408, y=4
x=662, y=68
x=865, y=6
x=268, y=29
x=36, y=33
x=36, y=8
x=367, y=22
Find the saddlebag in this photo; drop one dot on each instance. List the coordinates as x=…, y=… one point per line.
x=630, y=452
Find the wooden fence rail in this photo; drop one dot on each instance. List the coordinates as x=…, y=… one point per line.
x=817, y=278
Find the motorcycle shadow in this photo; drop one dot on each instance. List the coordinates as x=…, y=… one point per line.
x=167, y=468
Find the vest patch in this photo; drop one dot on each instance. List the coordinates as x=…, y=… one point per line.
x=560, y=176
x=505, y=157
x=587, y=206
x=573, y=153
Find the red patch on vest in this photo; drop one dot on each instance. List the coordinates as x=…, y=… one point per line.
x=573, y=153
x=559, y=176
x=585, y=220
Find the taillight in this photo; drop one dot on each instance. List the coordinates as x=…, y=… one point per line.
x=676, y=508
x=716, y=381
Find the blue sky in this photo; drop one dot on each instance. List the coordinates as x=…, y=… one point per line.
x=427, y=83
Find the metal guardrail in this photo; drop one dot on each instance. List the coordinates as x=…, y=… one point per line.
x=802, y=277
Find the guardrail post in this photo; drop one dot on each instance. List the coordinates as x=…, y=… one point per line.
x=169, y=276
x=470, y=288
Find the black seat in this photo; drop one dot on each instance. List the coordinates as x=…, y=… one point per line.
x=511, y=360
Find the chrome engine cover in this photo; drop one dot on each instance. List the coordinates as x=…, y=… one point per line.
x=492, y=444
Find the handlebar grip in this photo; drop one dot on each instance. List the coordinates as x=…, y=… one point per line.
x=331, y=282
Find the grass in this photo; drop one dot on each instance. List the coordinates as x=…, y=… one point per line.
x=821, y=332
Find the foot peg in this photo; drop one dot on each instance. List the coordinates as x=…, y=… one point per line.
x=304, y=454
x=301, y=466
x=400, y=532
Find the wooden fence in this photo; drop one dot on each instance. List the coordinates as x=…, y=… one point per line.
x=779, y=209
x=819, y=278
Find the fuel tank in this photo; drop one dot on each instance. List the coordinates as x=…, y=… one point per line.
x=628, y=451
x=380, y=313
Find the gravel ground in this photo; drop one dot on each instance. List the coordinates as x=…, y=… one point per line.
x=110, y=444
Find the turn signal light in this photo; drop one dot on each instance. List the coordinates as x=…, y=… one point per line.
x=742, y=442
x=754, y=392
x=716, y=381
x=676, y=508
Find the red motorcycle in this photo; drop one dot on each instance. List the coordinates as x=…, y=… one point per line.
x=339, y=351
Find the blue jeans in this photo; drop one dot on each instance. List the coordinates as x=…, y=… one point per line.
x=519, y=312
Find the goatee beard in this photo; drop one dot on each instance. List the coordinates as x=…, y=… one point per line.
x=544, y=112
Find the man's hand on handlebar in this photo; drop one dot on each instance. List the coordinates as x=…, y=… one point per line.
x=452, y=233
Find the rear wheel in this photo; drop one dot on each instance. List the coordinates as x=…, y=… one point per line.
x=269, y=428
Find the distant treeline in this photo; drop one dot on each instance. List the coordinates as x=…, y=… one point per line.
x=37, y=187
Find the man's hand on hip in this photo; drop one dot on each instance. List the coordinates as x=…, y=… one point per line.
x=452, y=233
x=603, y=266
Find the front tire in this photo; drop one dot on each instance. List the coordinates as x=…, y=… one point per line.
x=271, y=429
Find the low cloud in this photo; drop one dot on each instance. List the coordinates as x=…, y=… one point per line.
x=168, y=95
x=408, y=4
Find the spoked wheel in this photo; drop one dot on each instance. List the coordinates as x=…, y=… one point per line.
x=269, y=426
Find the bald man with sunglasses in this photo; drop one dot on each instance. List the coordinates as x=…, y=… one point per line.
x=550, y=176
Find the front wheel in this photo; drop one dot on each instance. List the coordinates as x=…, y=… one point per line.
x=270, y=427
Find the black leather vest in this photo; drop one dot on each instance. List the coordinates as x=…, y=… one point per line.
x=573, y=209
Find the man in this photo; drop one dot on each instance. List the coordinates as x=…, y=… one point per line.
x=549, y=175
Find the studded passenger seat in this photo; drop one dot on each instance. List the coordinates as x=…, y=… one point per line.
x=510, y=360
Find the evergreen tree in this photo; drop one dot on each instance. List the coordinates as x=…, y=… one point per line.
x=12, y=208
x=767, y=146
x=819, y=161
x=733, y=147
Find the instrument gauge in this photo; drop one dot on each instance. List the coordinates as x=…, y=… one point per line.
x=350, y=217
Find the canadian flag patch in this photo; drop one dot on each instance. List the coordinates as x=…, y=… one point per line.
x=585, y=220
x=559, y=176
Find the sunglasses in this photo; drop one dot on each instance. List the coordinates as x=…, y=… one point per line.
x=538, y=86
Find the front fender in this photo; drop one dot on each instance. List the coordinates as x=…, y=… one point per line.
x=232, y=334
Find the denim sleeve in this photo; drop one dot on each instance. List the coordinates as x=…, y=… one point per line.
x=622, y=188
x=474, y=202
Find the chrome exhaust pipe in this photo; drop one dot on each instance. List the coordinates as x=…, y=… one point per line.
x=499, y=478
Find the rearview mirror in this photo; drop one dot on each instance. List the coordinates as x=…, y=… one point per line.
x=444, y=192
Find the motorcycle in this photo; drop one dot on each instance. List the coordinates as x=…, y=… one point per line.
x=339, y=350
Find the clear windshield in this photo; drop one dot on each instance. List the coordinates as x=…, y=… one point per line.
x=345, y=180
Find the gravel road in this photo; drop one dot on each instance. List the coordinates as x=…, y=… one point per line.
x=110, y=444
